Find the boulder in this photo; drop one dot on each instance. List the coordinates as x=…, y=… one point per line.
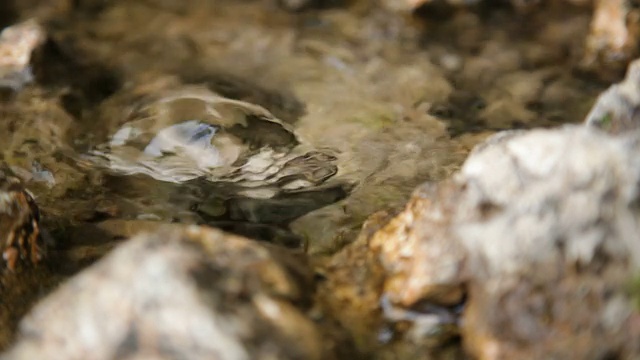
x=180, y=292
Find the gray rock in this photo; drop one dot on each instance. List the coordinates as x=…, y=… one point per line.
x=180, y=292
x=617, y=110
x=539, y=233
x=17, y=42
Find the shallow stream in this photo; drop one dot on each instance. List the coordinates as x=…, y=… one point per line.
x=288, y=127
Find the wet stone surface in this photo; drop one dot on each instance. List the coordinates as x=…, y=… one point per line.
x=19, y=223
x=527, y=252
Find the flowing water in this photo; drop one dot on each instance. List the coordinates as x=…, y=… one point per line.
x=284, y=127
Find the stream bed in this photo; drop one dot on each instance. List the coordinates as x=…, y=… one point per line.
x=287, y=125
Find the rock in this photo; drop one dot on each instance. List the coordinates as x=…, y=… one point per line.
x=405, y=5
x=613, y=39
x=187, y=292
x=17, y=42
x=351, y=291
x=21, y=239
x=535, y=237
x=617, y=109
x=548, y=227
x=300, y=5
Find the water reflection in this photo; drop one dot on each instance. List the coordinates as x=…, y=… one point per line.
x=179, y=135
x=225, y=161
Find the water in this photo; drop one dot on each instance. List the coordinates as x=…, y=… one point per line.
x=285, y=127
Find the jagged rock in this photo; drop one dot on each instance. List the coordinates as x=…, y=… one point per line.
x=536, y=236
x=180, y=292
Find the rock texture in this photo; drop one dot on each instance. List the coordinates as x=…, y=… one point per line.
x=613, y=39
x=617, y=110
x=16, y=45
x=536, y=236
x=181, y=292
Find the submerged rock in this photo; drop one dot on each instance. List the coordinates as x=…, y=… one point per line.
x=220, y=159
x=536, y=236
x=180, y=292
x=300, y=5
x=174, y=132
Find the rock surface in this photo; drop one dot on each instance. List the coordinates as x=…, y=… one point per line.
x=181, y=292
x=17, y=42
x=537, y=236
x=617, y=110
x=613, y=39
x=20, y=237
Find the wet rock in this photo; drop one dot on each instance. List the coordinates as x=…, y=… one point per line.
x=187, y=292
x=17, y=42
x=34, y=133
x=613, y=39
x=405, y=5
x=536, y=237
x=521, y=5
x=34, y=125
x=218, y=160
x=617, y=110
x=299, y=5
x=352, y=290
x=20, y=234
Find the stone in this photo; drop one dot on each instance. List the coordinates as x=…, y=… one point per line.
x=21, y=240
x=181, y=291
x=617, y=109
x=528, y=250
x=613, y=38
x=17, y=42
